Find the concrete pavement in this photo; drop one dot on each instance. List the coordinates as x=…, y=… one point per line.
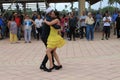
x=81, y=60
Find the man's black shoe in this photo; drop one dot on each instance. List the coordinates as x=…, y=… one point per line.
x=118, y=37
x=43, y=68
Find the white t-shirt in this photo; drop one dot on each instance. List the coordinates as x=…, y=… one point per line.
x=38, y=22
x=107, y=23
x=83, y=22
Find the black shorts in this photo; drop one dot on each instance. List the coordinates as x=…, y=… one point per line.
x=106, y=29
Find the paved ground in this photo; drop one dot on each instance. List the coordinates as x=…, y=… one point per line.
x=81, y=59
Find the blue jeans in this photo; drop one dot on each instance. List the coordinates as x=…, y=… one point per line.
x=27, y=35
x=19, y=32
x=90, y=32
x=2, y=31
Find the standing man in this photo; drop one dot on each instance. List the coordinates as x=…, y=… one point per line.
x=18, y=21
x=2, y=25
x=90, y=27
x=72, y=25
x=34, y=16
x=114, y=16
x=98, y=18
x=117, y=25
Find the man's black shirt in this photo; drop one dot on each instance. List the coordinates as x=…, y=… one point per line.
x=46, y=30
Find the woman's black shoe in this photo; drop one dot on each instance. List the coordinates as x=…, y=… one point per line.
x=58, y=67
x=50, y=70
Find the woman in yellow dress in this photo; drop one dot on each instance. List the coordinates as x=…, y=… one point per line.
x=54, y=40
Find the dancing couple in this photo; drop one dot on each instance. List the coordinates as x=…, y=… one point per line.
x=52, y=40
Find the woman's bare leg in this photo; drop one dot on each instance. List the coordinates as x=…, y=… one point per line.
x=56, y=57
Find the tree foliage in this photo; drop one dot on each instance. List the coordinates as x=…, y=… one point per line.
x=110, y=9
x=113, y=1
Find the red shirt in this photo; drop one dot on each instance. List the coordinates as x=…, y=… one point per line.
x=62, y=22
x=18, y=21
x=66, y=19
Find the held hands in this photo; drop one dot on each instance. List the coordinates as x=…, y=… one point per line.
x=82, y=20
x=107, y=20
x=45, y=21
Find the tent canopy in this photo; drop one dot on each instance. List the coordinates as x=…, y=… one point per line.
x=60, y=1
x=49, y=1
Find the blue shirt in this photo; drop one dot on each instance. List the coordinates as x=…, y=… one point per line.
x=114, y=16
x=98, y=17
x=1, y=22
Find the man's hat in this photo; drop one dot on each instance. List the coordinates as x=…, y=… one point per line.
x=89, y=13
x=48, y=10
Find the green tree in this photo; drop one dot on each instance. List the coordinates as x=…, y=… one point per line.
x=113, y=1
x=111, y=9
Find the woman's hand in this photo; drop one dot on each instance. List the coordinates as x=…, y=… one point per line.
x=45, y=21
x=59, y=32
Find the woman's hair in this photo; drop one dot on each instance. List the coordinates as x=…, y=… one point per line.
x=12, y=18
x=27, y=15
x=38, y=15
x=64, y=16
x=57, y=14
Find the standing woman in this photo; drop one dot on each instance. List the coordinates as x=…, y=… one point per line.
x=54, y=40
x=90, y=27
x=27, y=28
x=106, y=26
x=83, y=25
x=38, y=23
x=13, y=30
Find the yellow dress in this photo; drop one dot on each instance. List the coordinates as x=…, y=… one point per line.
x=54, y=39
